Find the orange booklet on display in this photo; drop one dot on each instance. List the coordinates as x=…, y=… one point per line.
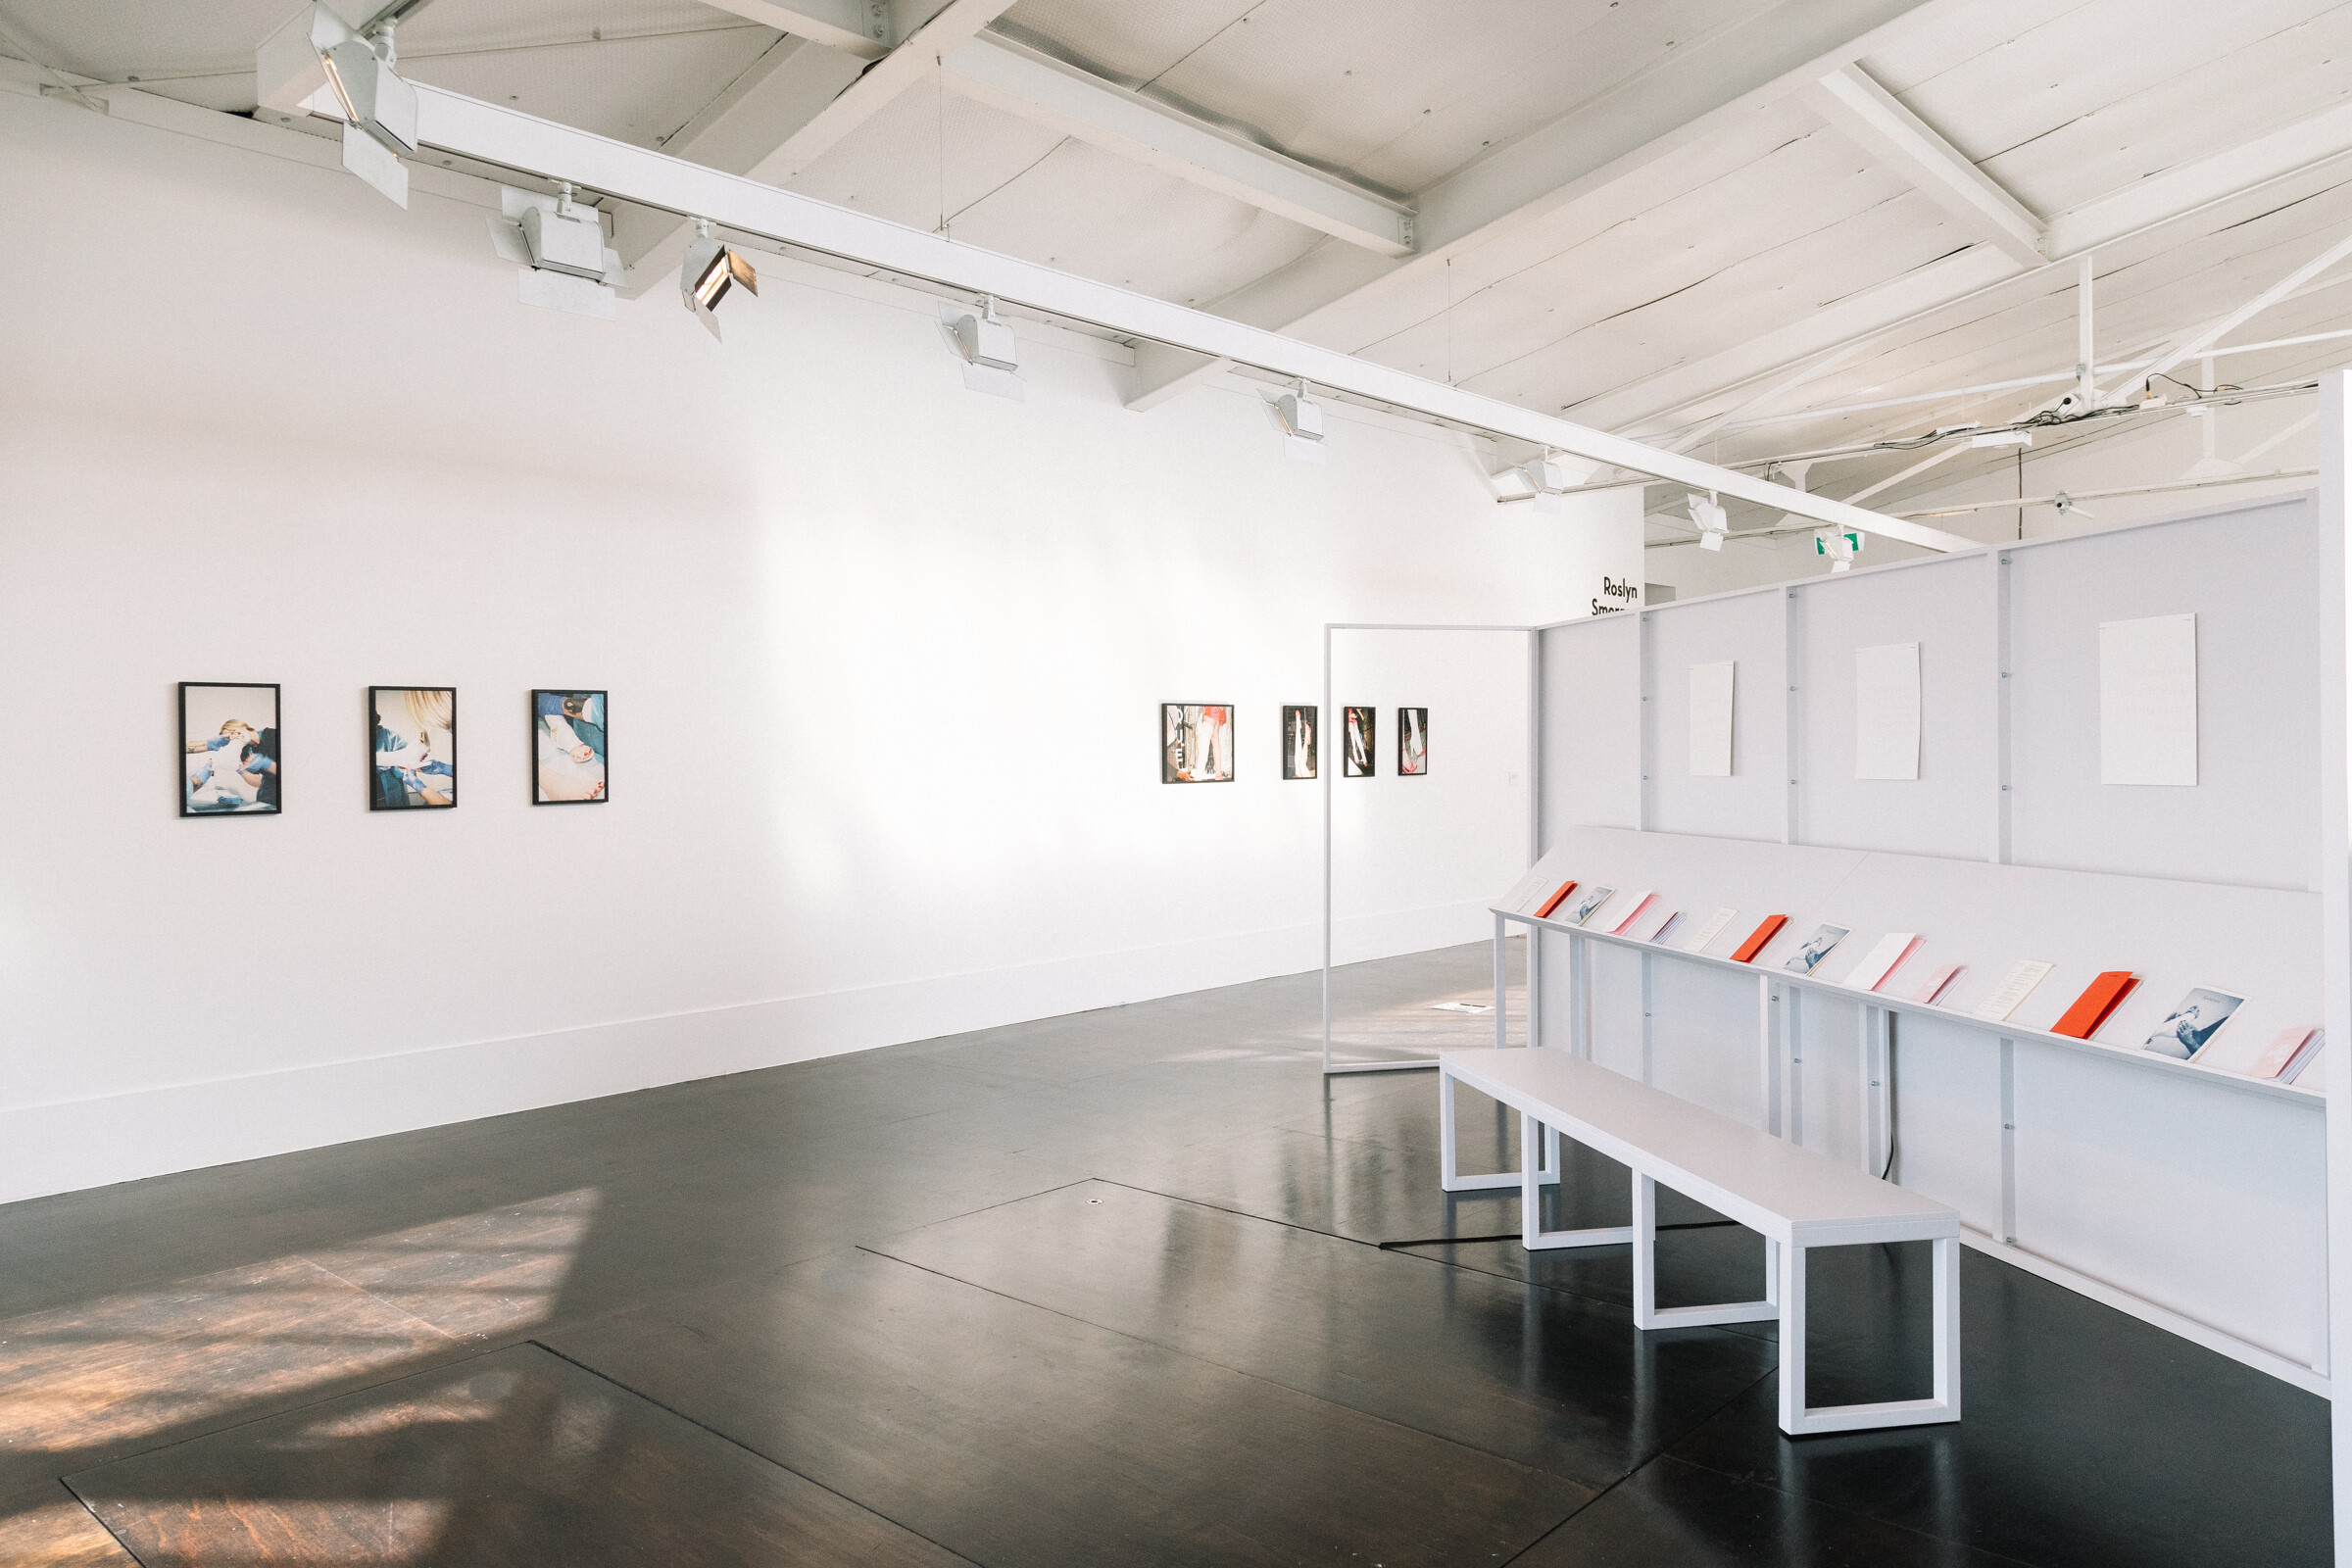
x=1544, y=910
x=1758, y=937
x=2099, y=999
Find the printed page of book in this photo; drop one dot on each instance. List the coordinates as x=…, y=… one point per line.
x=1649, y=924
x=1936, y=981
x=1886, y=712
x=1710, y=931
x=2018, y=986
x=1711, y=697
x=2148, y=701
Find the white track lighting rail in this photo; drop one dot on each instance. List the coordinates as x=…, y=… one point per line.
x=489, y=134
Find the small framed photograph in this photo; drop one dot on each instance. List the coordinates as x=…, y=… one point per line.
x=2190, y=1026
x=568, y=757
x=1363, y=728
x=412, y=747
x=229, y=759
x=1413, y=742
x=1298, y=742
x=1195, y=742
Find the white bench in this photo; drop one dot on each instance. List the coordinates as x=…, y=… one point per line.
x=1797, y=1197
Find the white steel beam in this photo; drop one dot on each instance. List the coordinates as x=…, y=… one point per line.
x=784, y=89
x=814, y=98
x=1708, y=85
x=859, y=28
x=1851, y=101
x=510, y=140
x=2185, y=187
x=1036, y=87
x=2193, y=344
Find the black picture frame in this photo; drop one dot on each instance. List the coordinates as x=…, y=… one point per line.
x=1302, y=750
x=411, y=789
x=1412, y=743
x=595, y=713
x=267, y=782
x=1180, y=741
x=1359, y=742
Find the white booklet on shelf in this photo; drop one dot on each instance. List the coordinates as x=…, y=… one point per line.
x=1883, y=960
x=1650, y=924
x=1710, y=931
x=2014, y=990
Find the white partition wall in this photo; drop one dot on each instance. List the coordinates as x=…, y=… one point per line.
x=2189, y=1197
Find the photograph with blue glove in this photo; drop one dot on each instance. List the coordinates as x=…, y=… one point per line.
x=568, y=748
x=228, y=750
x=413, y=734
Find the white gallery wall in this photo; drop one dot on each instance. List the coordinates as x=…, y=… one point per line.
x=884, y=659
x=2186, y=1196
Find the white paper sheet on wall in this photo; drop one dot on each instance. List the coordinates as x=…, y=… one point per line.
x=1711, y=720
x=1886, y=712
x=2148, y=701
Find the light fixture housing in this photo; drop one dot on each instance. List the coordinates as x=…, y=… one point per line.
x=711, y=270
x=1302, y=419
x=2001, y=438
x=563, y=261
x=1840, y=545
x=316, y=48
x=1550, y=482
x=985, y=343
x=1714, y=523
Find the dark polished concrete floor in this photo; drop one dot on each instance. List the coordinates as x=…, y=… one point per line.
x=1134, y=1287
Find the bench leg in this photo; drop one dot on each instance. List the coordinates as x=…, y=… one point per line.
x=1799, y=1419
x=1533, y=1136
x=1450, y=1178
x=1648, y=1314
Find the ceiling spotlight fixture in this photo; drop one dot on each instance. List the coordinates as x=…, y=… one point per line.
x=2069, y=507
x=711, y=267
x=1550, y=483
x=1302, y=419
x=990, y=358
x=1713, y=522
x=1840, y=546
x=565, y=263
x=316, y=48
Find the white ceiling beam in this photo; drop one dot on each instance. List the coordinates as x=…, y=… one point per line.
x=2187, y=187
x=1045, y=92
x=814, y=97
x=859, y=28
x=1707, y=85
x=784, y=89
x=510, y=140
x=2192, y=344
x=1879, y=122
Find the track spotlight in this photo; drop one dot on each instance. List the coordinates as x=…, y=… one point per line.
x=711, y=270
x=1713, y=522
x=314, y=48
x=1302, y=420
x=2069, y=507
x=565, y=263
x=1841, y=547
x=991, y=356
x=1550, y=483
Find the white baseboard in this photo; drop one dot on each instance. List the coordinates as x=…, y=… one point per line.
x=71, y=1145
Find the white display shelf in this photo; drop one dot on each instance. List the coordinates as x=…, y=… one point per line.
x=2131, y=1056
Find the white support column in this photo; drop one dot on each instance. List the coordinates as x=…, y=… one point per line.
x=1792, y=724
x=1502, y=983
x=1326, y=765
x=1580, y=997
x=1768, y=1044
x=1793, y=1337
x=2009, y=1141
x=2086, y=365
x=2004, y=681
x=1650, y=993
x=2336, y=890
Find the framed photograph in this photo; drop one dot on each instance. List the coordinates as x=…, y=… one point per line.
x=1298, y=742
x=229, y=763
x=413, y=747
x=568, y=765
x=1817, y=948
x=1195, y=742
x=2190, y=1026
x=1363, y=726
x=1413, y=742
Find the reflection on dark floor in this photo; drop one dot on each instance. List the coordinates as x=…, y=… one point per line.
x=1132, y=1287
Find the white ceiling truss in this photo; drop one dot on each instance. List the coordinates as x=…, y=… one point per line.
x=1722, y=227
